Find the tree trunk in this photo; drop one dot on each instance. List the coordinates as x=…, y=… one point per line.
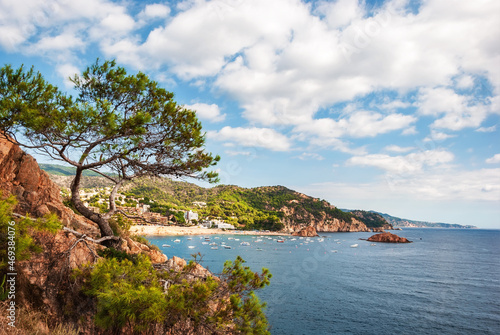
x=112, y=203
x=82, y=209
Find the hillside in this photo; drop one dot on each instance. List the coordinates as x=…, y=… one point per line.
x=398, y=222
x=60, y=170
x=270, y=207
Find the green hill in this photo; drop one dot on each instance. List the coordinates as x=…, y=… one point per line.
x=60, y=170
x=270, y=207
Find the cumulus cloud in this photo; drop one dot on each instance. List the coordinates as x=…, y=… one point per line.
x=493, y=160
x=252, y=137
x=455, y=111
x=207, y=112
x=398, y=149
x=310, y=156
x=408, y=164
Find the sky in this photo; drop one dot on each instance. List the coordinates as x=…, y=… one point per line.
x=391, y=106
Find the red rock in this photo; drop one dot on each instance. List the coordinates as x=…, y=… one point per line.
x=308, y=231
x=388, y=238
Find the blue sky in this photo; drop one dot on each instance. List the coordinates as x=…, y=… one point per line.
x=379, y=105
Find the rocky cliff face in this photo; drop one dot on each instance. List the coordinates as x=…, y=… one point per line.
x=306, y=232
x=36, y=194
x=295, y=219
x=44, y=282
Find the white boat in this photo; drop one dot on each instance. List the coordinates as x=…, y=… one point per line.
x=335, y=251
x=189, y=238
x=354, y=245
x=372, y=244
x=214, y=248
x=258, y=240
x=204, y=242
x=191, y=246
x=258, y=249
x=166, y=245
x=213, y=243
x=177, y=241
x=245, y=243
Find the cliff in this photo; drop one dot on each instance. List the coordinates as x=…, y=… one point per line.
x=308, y=231
x=36, y=194
x=44, y=283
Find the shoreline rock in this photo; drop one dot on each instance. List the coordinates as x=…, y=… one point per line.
x=308, y=231
x=388, y=238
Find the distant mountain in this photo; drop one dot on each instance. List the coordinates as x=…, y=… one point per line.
x=398, y=222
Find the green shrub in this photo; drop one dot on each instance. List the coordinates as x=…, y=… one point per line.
x=20, y=231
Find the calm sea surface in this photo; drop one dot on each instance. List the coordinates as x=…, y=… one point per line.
x=446, y=282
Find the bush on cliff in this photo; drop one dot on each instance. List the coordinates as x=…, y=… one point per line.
x=132, y=296
x=17, y=234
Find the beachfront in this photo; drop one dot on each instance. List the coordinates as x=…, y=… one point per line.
x=176, y=231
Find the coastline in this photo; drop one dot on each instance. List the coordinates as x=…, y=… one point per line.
x=157, y=230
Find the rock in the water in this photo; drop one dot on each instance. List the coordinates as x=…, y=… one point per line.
x=388, y=238
x=308, y=231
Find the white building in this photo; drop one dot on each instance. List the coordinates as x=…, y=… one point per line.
x=190, y=216
x=142, y=208
x=223, y=225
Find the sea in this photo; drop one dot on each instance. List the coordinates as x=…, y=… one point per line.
x=446, y=282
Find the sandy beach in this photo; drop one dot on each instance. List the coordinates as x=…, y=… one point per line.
x=174, y=231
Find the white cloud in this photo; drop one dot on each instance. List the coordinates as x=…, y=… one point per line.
x=455, y=111
x=437, y=136
x=359, y=124
x=409, y=164
x=309, y=156
x=465, y=81
x=448, y=186
x=239, y=153
x=154, y=11
x=486, y=129
x=67, y=71
x=207, y=112
x=398, y=149
x=493, y=160
x=252, y=137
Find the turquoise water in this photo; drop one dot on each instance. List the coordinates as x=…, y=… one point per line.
x=446, y=282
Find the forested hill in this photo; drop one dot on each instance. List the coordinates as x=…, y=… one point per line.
x=270, y=207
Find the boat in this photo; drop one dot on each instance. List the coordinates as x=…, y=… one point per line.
x=213, y=243
x=259, y=249
x=334, y=251
x=280, y=241
x=258, y=240
x=166, y=245
x=354, y=245
x=204, y=242
x=214, y=248
x=227, y=246
x=245, y=243
x=191, y=246
x=177, y=241
x=372, y=244
x=189, y=238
